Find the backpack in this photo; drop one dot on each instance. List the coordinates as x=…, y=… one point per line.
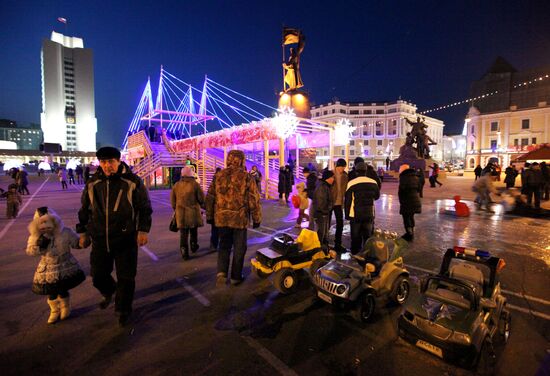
x=295, y=201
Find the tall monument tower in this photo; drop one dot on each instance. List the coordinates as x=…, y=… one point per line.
x=292, y=96
x=68, y=105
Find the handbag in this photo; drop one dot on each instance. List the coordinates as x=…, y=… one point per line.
x=173, y=223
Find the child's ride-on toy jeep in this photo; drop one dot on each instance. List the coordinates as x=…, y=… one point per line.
x=357, y=280
x=285, y=256
x=460, y=313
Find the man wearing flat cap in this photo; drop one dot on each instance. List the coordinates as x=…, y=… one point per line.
x=116, y=217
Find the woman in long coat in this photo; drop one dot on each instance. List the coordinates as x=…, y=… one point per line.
x=187, y=198
x=409, y=199
x=283, y=184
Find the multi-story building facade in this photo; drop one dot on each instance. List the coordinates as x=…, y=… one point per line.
x=380, y=129
x=516, y=119
x=68, y=106
x=26, y=137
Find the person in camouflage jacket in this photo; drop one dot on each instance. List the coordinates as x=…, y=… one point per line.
x=231, y=201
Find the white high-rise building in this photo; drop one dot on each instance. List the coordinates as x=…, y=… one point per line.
x=68, y=106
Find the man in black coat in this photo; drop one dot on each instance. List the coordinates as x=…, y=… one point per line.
x=311, y=184
x=353, y=173
x=116, y=214
x=477, y=172
x=533, y=181
x=409, y=199
x=510, y=178
x=322, y=200
x=361, y=193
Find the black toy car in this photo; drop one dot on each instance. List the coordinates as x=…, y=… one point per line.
x=357, y=280
x=286, y=256
x=460, y=313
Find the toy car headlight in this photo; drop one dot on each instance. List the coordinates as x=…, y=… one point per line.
x=341, y=289
x=345, y=256
x=461, y=338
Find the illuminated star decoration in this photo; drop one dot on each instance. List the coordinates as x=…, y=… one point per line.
x=285, y=122
x=342, y=132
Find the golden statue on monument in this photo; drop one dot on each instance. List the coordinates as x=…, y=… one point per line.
x=292, y=79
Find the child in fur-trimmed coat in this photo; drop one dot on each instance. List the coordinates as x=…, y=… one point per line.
x=58, y=271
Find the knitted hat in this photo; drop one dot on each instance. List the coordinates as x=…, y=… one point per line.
x=341, y=163
x=361, y=166
x=327, y=174
x=357, y=160
x=107, y=152
x=403, y=167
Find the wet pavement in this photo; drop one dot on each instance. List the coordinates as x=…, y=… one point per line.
x=183, y=324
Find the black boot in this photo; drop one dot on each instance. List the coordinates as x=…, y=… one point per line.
x=194, y=247
x=184, y=253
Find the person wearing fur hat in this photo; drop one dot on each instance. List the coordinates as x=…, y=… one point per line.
x=116, y=215
x=409, y=199
x=13, y=201
x=232, y=200
x=58, y=271
x=338, y=190
x=187, y=199
x=322, y=201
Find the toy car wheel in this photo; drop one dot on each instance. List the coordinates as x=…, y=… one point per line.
x=401, y=290
x=365, y=307
x=260, y=274
x=485, y=360
x=285, y=280
x=316, y=265
x=504, y=325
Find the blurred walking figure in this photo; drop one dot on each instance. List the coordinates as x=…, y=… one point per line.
x=214, y=233
x=231, y=201
x=62, y=175
x=285, y=186
x=187, y=199
x=22, y=181
x=86, y=174
x=13, y=201
x=79, y=172
x=304, y=204
x=434, y=173
x=70, y=175
x=484, y=186
x=409, y=199
x=361, y=193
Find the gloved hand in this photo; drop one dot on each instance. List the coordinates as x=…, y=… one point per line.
x=256, y=225
x=43, y=241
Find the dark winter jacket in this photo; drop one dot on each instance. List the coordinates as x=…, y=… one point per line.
x=114, y=207
x=533, y=177
x=478, y=171
x=343, y=185
x=360, y=195
x=187, y=199
x=233, y=196
x=421, y=179
x=373, y=175
x=409, y=188
x=285, y=185
x=311, y=183
x=511, y=174
x=322, y=199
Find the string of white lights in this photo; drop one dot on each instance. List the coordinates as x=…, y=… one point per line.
x=522, y=84
x=534, y=80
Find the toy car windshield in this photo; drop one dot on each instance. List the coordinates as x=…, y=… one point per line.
x=448, y=292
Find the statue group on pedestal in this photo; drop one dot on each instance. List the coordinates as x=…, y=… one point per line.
x=292, y=79
x=418, y=138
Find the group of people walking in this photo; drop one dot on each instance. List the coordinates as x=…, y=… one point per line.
x=535, y=182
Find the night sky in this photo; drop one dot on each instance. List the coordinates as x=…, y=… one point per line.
x=424, y=52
